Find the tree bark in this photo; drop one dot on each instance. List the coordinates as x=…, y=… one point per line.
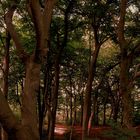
x=71, y=103
x=81, y=104
x=6, y=65
x=104, y=114
x=29, y=106
x=95, y=109
x=41, y=21
x=10, y=124
x=40, y=113
x=57, y=71
x=126, y=61
x=75, y=110
x=6, y=74
x=126, y=92
x=66, y=109
x=54, y=97
x=87, y=100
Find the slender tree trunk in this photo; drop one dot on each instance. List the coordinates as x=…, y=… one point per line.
x=97, y=114
x=49, y=121
x=66, y=109
x=55, y=97
x=90, y=122
x=87, y=100
x=47, y=93
x=93, y=114
x=115, y=112
x=95, y=109
x=114, y=109
x=71, y=109
x=104, y=114
x=6, y=73
x=81, y=100
x=6, y=64
x=75, y=111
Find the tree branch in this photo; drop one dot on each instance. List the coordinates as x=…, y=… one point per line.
x=48, y=11
x=12, y=31
x=37, y=17
x=137, y=72
x=7, y=118
x=121, y=23
x=42, y=20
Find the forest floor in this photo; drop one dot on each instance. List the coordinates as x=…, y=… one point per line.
x=63, y=132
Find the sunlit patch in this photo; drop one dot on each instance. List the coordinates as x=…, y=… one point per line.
x=60, y=131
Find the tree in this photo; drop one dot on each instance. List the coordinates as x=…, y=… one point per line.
x=41, y=20
x=99, y=25
x=127, y=58
x=10, y=124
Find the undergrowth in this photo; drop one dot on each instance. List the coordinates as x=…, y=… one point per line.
x=117, y=132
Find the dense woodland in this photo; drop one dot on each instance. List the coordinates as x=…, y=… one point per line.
x=69, y=62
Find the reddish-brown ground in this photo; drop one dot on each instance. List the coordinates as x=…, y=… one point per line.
x=62, y=132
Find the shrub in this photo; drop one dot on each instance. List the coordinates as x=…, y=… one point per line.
x=119, y=133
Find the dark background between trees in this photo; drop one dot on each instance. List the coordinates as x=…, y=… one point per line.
x=74, y=62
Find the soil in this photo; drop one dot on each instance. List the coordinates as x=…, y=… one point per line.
x=63, y=132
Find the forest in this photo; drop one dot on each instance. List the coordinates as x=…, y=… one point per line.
x=69, y=69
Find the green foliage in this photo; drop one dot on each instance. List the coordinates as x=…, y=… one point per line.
x=117, y=132
x=67, y=135
x=75, y=56
x=92, y=139
x=136, y=118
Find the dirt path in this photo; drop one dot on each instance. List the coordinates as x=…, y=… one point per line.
x=62, y=132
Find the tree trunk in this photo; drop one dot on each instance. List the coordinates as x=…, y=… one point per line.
x=75, y=111
x=6, y=65
x=126, y=93
x=66, y=109
x=41, y=20
x=90, y=122
x=71, y=109
x=41, y=110
x=97, y=115
x=126, y=61
x=95, y=111
x=115, y=105
x=81, y=104
x=10, y=124
x=54, y=97
x=104, y=114
x=93, y=116
x=6, y=74
x=87, y=100
x=29, y=98
x=115, y=111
